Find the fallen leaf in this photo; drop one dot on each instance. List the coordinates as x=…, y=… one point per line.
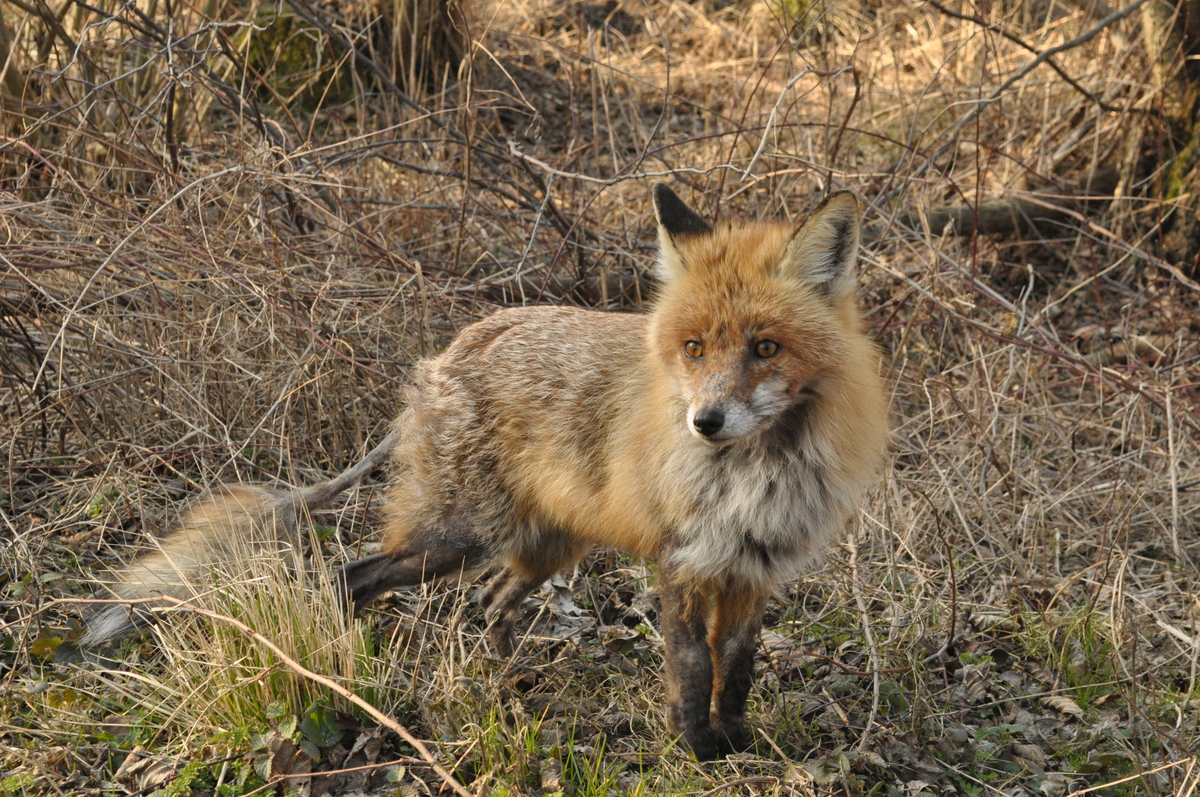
x=1053, y=784
x=1031, y=753
x=147, y=772
x=1063, y=705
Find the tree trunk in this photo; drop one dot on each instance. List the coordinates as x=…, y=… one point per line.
x=1172, y=31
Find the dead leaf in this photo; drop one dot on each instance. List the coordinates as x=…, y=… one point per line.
x=147, y=772
x=1053, y=785
x=1063, y=705
x=522, y=679
x=619, y=639
x=798, y=775
x=1030, y=753
x=1144, y=347
x=1040, y=671
x=282, y=757
x=975, y=682
x=551, y=777
x=367, y=744
x=549, y=706
x=874, y=759
x=778, y=646
x=1103, y=760
x=116, y=725
x=562, y=593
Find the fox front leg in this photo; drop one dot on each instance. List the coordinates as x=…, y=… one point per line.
x=689, y=663
x=733, y=639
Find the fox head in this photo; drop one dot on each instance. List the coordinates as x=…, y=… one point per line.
x=751, y=318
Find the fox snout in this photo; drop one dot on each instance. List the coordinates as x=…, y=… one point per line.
x=724, y=409
x=718, y=422
x=709, y=421
x=719, y=411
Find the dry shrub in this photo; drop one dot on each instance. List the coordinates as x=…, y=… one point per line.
x=208, y=279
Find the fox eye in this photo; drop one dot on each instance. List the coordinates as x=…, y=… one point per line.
x=766, y=348
x=694, y=348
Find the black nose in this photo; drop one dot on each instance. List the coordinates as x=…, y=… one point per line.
x=708, y=422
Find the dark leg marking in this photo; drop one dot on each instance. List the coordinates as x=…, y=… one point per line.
x=505, y=604
x=429, y=556
x=733, y=638
x=689, y=664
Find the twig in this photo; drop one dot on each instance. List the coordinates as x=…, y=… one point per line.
x=762, y=142
x=305, y=10
x=837, y=138
x=203, y=255
x=856, y=588
x=1127, y=778
x=1045, y=55
x=1079, y=364
x=983, y=23
x=740, y=782
x=937, y=521
x=1158, y=263
x=844, y=667
x=324, y=773
x=619, y=177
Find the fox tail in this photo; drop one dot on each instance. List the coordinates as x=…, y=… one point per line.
x=212, y=534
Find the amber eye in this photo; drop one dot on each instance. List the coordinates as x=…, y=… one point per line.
x=694, y=348
x=766, y=348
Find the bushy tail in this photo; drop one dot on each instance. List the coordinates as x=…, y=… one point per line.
x=212, y=535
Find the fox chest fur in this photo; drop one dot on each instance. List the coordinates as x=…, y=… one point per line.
x=760, y=512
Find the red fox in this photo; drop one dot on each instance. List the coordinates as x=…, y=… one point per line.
x=729, y=433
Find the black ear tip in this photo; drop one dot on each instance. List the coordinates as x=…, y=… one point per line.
x=665, y=198
x=674, y=215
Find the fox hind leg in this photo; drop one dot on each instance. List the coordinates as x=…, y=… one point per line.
x=501, y=602
x=448, y=547
x=494, y=587
x=541, y=554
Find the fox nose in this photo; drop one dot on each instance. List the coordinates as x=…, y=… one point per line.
x=709, y=421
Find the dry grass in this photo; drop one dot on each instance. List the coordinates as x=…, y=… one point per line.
x=224, y=246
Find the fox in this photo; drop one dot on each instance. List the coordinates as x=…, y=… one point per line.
x=729, y=433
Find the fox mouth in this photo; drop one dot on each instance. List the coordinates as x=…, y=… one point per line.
x=726, y=424
x=723, y=425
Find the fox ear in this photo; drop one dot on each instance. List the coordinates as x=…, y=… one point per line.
x=823, y=252
x=675, y=221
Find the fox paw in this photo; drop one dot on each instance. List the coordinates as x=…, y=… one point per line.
x=503, y=641
x=704, y=743
x=733, y=738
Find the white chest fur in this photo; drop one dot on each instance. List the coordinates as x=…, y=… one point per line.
x=759, y=513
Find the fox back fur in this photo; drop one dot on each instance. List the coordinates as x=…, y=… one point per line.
x=730, y=433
